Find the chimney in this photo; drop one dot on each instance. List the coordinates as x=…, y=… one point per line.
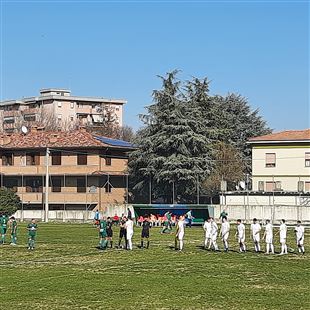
x=83, y=128
x=34, y=128
x=5, y=139
x=53, y=138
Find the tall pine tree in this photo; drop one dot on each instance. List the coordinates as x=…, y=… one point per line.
x=173, y=151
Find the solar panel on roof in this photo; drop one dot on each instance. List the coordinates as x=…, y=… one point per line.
x=114, y=142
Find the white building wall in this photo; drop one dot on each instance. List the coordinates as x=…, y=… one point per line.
x=290, y=166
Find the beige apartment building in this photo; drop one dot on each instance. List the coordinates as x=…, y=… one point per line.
x=281, y=162
x=58, y=106
x=86, y=172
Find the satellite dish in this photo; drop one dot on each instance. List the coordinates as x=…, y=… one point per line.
x=24, y=130
x=242, y=184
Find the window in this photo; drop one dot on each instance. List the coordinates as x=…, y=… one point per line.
x=59, y=104
x=30, y=117
x=56, y=185
x=11, y=183
x=270, y=160
x=56, y=158
x=270, y=186
x=273, y=186
x=82, y=159
x=81, y=185
x=278, y=186
x=108, y=159
x=71, y=118
x=8, y=120
x=307, y=159
x=33, y=159
x=300, y=186
x=8, y=159
x=307, y=186
x=261, y=186
x=59, y=116
x=34, y=186
x=72, y=105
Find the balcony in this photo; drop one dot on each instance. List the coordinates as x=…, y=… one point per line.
x=10, y=113
x=59, y=198
x=30, y=111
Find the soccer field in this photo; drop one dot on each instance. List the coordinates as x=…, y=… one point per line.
x=66, y=271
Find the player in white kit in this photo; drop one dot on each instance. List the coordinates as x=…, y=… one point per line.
x=283, y=233
x=207, y=229
x=300, y=237
x=225, y=232
x=255, y=229
x=241, y=235
x=180, y=233
x=268, y=235
x=214, y=232
x=129, y=232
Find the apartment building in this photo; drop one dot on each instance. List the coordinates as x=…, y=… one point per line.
x=281, y=162
x=86, y=172
x=60, y=107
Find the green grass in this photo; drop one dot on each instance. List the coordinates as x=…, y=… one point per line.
x=66, y=271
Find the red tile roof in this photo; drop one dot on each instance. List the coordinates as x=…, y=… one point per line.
x=288, y=135
x=56, y=139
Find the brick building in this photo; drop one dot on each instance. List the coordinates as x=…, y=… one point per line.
x=60, y=107
x=86, y=172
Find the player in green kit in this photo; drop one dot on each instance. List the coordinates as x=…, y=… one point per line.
x=167, y=224
x=103, y=242
x=3, y=227
x=13, y=225
x=32, y=232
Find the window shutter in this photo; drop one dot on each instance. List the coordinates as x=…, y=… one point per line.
x=28, y=160
x=37, y=159
x=261, y=186
x=270, y=158
x=300, y=186
x=4, y=161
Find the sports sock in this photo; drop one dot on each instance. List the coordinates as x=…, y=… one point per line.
x=267, y=248
x=258, y=247
x=141, y=244
x=303, y=249
x=147, y=244
x=181, y=245
x=244, y=247
x=111, y=244
x=215, y=246
x=175, y=243
x=272, y=248
x=130, y=244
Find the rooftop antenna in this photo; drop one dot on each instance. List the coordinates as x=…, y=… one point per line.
x=24, y=130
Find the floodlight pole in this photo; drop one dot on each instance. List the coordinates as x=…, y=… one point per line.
x=173, y=190
x=150, y=190
x=47, y=184
x=198, y=200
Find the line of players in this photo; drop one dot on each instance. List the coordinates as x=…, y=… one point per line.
x=211, y=234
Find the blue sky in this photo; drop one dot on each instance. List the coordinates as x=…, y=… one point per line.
x=116, y=49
